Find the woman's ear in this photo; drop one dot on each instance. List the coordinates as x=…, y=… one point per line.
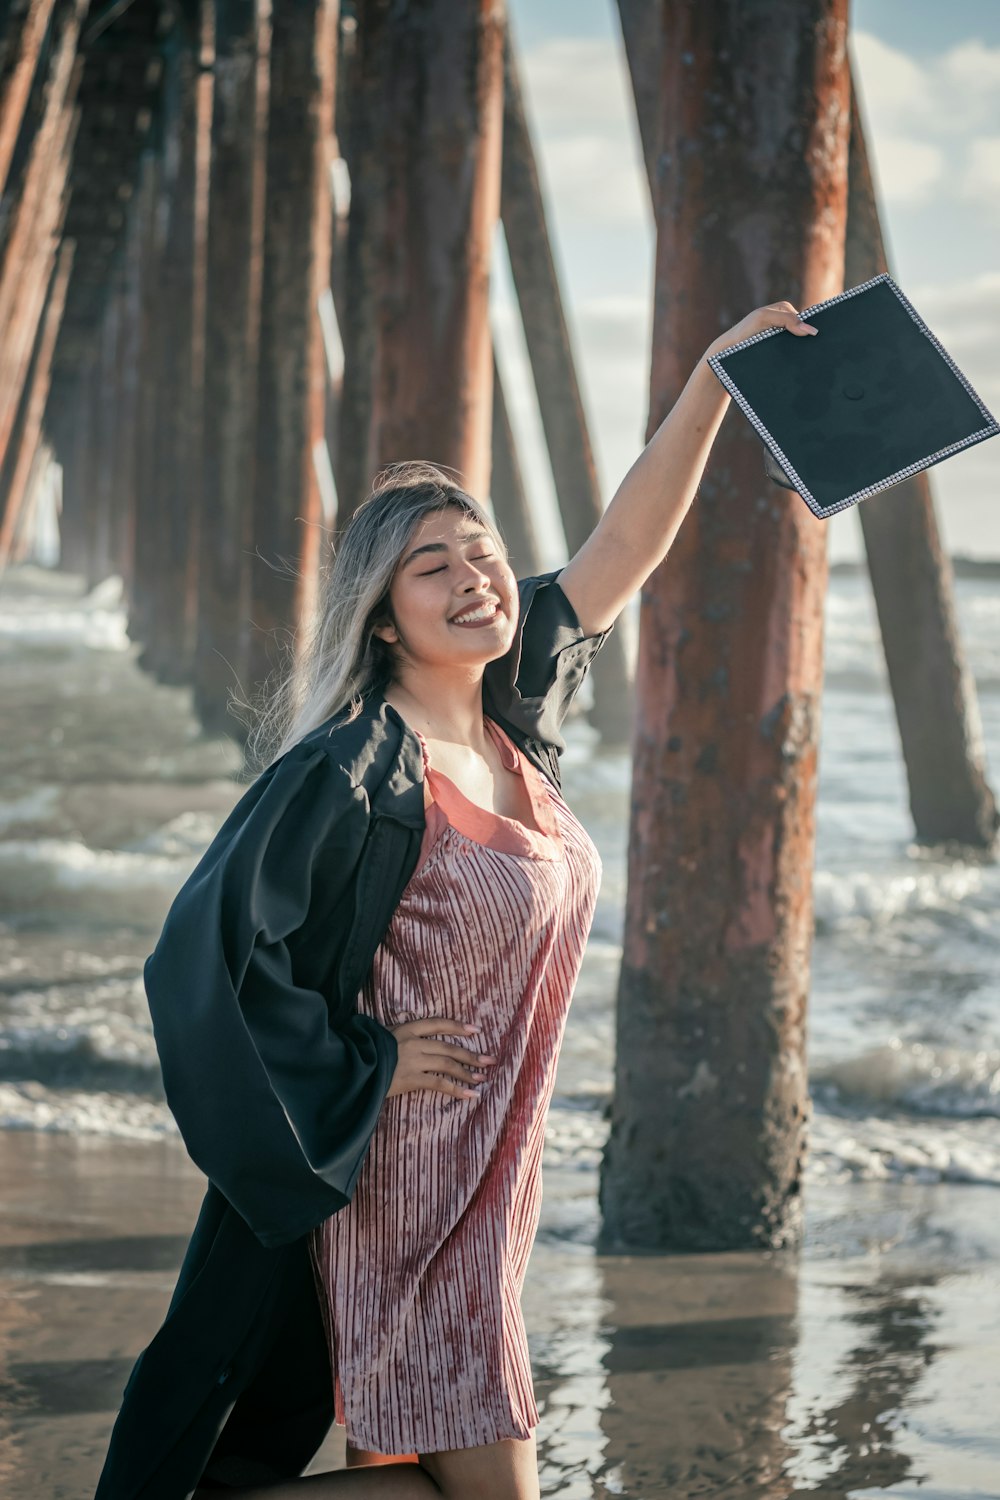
x=384, y=626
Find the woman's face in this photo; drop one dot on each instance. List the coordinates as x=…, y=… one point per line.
x=449, y=568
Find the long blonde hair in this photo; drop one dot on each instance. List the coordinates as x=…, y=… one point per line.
x=342, y=657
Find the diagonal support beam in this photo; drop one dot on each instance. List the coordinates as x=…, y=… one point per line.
x=560, y=402
x=18, y=64
x=933, y=690
x=37, y=395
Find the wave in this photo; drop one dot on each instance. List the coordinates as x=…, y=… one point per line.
x=866, y=1149
x=83, y=1057
x=43, y=876
x=876, y=899
x=31, y=1105
x=96, y=622
x=845, y=1142
x=841, y=1148
x=918, y=1077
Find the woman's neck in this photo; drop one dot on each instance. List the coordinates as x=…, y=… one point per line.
x=457, y=720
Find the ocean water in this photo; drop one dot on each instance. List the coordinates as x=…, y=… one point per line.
x=109, y=793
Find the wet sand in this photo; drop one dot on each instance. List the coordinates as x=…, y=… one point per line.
x=866, y=1362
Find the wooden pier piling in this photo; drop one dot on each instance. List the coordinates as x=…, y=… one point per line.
x=286, y=512
x=708, y=1123
x=440, y=119
x=234, y=274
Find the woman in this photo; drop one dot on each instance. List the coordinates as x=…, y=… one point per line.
x=358, y=999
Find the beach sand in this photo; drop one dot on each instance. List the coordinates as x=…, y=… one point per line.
x=866, y=1362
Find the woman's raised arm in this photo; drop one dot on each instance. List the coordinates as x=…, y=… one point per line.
x=637, y=530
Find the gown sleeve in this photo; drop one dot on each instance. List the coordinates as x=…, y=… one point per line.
x=535, y=682
x=276, y=1097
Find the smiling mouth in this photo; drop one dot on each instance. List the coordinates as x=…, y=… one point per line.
x=483, y=614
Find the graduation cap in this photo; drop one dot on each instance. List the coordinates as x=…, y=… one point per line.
x=868, y=401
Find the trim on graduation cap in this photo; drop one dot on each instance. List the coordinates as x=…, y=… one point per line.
x=991, y=429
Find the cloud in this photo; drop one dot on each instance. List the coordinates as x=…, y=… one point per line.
x=588, y=179
x=932, y=124
x=969, y=75
x=578, y=100
x=908, y=171
x=953, y=94
x=616, y=327
x=893, y=85
x=576, y=83
x=979, y=182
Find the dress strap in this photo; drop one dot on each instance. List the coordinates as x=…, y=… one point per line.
x=429, y=771
x=423, y=746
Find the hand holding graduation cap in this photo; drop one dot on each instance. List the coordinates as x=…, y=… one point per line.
x=774, y=315
x=877, y=400
x=839, y=418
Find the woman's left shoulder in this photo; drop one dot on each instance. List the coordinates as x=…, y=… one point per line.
x=533, y=684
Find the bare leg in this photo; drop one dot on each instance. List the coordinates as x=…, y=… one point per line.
x=507, y=1470
x=387, y=1481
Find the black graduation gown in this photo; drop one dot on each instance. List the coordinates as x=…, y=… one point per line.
x=276, y=1081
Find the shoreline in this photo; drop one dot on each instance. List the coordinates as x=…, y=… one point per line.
x=862, y=1357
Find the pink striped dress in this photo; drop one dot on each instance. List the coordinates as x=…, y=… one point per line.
x=420, y=1276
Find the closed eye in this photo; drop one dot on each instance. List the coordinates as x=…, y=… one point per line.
x=485, y=556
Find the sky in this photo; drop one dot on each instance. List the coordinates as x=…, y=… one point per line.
x=929, y=80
